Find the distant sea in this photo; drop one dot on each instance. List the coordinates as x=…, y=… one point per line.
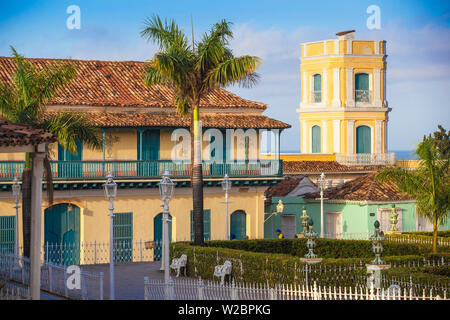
x=399, y=154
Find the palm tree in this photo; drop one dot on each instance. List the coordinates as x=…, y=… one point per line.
x=193, y=71
x=429, y=184
x=24, y=101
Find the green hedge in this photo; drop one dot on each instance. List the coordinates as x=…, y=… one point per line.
x=275, y=268
x=326, y=248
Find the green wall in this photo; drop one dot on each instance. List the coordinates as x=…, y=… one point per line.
x=356, y=217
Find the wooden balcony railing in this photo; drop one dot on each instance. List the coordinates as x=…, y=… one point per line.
x=153, y=169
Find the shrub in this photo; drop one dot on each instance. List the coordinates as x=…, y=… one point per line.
x=276, y=268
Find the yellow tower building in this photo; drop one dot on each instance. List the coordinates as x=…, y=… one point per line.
x=343, y=107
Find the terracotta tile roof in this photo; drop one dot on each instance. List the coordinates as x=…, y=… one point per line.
x=209, y=120
x=303, y=167
x=21, y=135
x=344, y=32
x=283, y=188
x=120, y=84
x=363, y=189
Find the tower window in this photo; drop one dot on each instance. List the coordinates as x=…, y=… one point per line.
x=316, y=94
x=362, y=92
x=315, y=139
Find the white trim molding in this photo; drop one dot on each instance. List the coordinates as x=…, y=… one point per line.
x=377, y=87
x=350, y=136
x=304, y=138
x=336, y=88
x=337, y=136
x=350, y=102
x=324, y=87
x=323, y=132
x=378, y=126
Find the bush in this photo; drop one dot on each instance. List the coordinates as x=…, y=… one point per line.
x=326, y=248
x=276, y=268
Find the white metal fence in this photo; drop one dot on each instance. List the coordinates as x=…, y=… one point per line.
x=11, y=292
x=191, y=289
x=54, y=278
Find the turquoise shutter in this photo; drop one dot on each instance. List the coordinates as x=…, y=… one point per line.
x=123, y=236
x=238, y=224
x=316, y=139
x=362, y=81
x=7, y=233
x=206, y=224
x=363, y=139
x=317, y=82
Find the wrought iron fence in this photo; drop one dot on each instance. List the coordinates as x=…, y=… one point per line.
x=364, y=96
x=192, y=289
x=359, y=159
x=53, y=278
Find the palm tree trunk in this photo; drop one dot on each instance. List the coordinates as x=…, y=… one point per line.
x=435, y=233
x=26, y=206
x=197, y=180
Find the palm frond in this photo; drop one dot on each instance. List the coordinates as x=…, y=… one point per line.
x=165, y=34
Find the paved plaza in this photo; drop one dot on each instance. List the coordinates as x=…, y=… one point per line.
x=129, y=278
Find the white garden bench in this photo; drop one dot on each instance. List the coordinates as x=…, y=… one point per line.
x=179, y=263
x=223, y=270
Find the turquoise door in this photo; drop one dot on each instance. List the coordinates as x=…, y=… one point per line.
x=70, y=169
x=123, y=236
x=7, y=234
x=315, y=139
x=62, y=234
x=206, y=225
x=157, y=235
x=362, y=93
x=238, y=224
x=363, y=139
x=148, y=149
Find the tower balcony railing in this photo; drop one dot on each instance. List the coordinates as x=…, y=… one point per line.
x=150, y=169
x=316, y=96
x=363, y=96
x=362, y=159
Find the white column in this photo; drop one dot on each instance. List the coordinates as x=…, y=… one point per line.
x=350, y=93
x=324, y=137
x=304, y=137
x=378, y=125
x=376, y=87
x=336, y=88
x=36, y=223
x=350, y=135
x=385, y=103
x=377, y=47
x=336, y=46
x=337, y=136
x=385, y=136
x=324, y=87
x=304, y=87
x=349, y=46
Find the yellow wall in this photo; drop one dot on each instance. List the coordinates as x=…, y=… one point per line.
x=145, y=205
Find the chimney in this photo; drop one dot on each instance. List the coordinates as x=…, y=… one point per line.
x=346, y=35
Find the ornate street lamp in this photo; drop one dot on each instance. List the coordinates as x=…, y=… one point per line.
x=280, y=208
x=304, y=218
x=377, y=264
x=110, y=188
x=394, y=220
x=166, y=190
x=16, y=194
x=322, y=185
x=226, y=185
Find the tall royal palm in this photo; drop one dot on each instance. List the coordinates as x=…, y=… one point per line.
x=193, y=69
x=429, y=184
x=23, y=100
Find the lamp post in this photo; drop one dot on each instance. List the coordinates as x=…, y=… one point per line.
x=280, y=208
x=322, y=185
x=166, y=188
x=110, y=193
x=305, y=218
x=226, y=185
x=16, y=193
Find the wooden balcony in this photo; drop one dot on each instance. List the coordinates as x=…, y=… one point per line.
x=97, y=170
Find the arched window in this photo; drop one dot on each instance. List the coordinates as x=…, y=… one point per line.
x=363, y=139
x=315, y=139
x=362, y=90
x=316, y=94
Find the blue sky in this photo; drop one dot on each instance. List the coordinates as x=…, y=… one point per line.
x=417, y=35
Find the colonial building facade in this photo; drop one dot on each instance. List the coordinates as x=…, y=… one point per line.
x=343, y=107
x=142, y=137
